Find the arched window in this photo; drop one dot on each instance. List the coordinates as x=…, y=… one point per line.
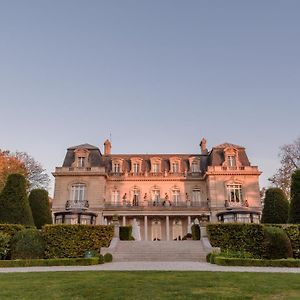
x=78, y=192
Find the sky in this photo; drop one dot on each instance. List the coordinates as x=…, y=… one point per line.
x=156, y=76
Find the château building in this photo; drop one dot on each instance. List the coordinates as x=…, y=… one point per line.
x=163, y=193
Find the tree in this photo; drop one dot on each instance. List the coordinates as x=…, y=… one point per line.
x=276, y=207
x=23, y=163
x=14, y=204
x=290, y=161
x=9, y=165
x=40, y=207
x=294, y=212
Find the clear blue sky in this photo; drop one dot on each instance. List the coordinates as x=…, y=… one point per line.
x=158, y=75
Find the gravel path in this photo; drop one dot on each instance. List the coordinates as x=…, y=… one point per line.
x=152, y=266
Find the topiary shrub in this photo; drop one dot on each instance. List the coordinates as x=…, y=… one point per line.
x=67, y=241
x=126, y=233
x=276, y=244
x=27, y=244
x=196, y=234
x=108, y=257
x=40, y=207
x=4, y=245
x=101, y=259
x=294, y=211
x=293, y=232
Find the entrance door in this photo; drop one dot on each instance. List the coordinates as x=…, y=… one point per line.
x=156, y=230
x=177, y=230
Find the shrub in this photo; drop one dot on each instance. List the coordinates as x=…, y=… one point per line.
x=4, y=245
x=40, y=207
x=276, y=207
x=237, y=237
x=126, y=233
x=11, y=229
x=108, y=257
x=49, y=262
x=14, y=205
x=276, y=244
x=27, y=244
x=294, y=211
x=293, y=233
x=63, y=241
x=236, y=254
x=101, y=259
x=196, y=232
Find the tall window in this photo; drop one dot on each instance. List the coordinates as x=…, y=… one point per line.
x=234, y=193
x=155, y=196
x=136, y=168
x=196, y=197
x=80, y=162
x=115, y=197
x=78, y=192
x=231, y=161
x=116, y=168
x=195, y=167
x=136, y=197
x=175, y=167
x=175, y=197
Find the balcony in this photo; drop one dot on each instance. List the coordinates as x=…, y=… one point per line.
x=160, y=204
x=77, y=205
x=230, y=204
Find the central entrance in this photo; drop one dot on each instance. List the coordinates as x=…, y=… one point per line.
x=156, y=230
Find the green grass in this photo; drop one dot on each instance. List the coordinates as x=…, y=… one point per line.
x=149, y=285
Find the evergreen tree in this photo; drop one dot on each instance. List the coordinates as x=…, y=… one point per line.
x=40, y=207
x=14, y=205
x=276, y=207
x=294, y=212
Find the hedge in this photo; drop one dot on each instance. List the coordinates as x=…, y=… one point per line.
x=238, y=237
x=49, y=262
x=11, y=229
x=66, y=241
x=126, y=233
x=108, y=257
x=226, y=261
x=196, y=233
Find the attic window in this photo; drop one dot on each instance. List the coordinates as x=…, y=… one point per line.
x=80, y=162
x=231, y=161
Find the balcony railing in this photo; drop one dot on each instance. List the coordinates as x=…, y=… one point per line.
x=155, y=204
x=231, y=204
x=77, y=204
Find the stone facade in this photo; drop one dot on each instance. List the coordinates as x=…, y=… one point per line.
x=164, y=194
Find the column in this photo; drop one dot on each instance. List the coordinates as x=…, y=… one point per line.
x=167, y=228
x=146, y=228
x=124, y=220
x=189, y=225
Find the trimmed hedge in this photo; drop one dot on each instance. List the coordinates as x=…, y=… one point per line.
x=196, y=233
x=27, y=244
x=67, y=241
x=293, y=233
x=126, y=233
x=238, y=237
x=4, y=245
x=49, y=262
x=108, y=257
x=11, y=229
x=226, y=261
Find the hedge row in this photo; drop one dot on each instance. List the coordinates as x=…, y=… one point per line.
x=237, y=237
x=226, y=261
x=49, y=262
x=67, y=241
x=11, y=229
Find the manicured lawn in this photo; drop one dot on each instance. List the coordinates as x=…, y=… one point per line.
x=149, y=285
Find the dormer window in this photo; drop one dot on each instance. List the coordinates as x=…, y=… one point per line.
x=117, y=165
x=155, y=165
x=175, y=167
x=116, y=168
x=231, y=161
x=136, y=168
x=195, y=167
x=155, y=168
x=80, y=162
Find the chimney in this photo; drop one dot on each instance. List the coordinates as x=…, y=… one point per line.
x=107, y=147
x=203, y=146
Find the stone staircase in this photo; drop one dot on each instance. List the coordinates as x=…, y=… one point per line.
x=157, y=251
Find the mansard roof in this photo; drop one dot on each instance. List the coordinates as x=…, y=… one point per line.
x=84, y=146
x=228, y=145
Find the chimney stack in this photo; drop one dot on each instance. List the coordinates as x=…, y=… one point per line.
x=107, y=147
x=203, y=146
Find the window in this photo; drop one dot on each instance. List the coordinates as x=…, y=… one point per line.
x=234, y=193
x=155, y=197
x=175, y=197
x=195, y=167
x=155, y=168
x=175, y=167
x=115, y=197
x=196, y=197
x=116, y=168
x=231, y=161
x=136, y=168
x=80, y=162
x=136, y=197
x=78, y=192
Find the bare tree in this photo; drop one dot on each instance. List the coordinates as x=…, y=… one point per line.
x=290, y=161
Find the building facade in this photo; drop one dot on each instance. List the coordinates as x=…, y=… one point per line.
x=163, y=193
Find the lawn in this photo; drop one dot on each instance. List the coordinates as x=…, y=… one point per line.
x=149, y=285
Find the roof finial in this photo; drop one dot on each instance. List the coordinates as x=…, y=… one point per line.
x=203, y=146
